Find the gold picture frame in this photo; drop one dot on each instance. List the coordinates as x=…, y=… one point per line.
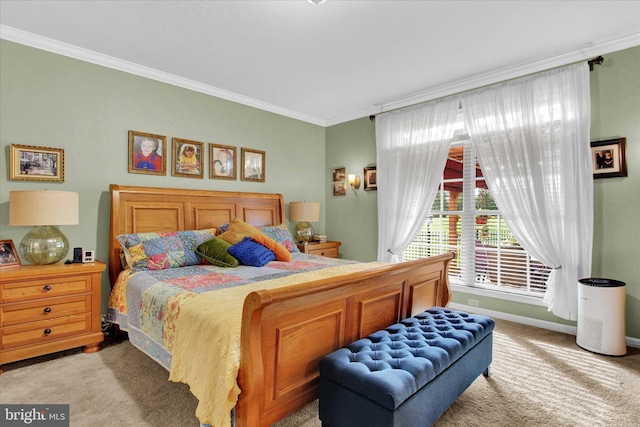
x=608, y=158
x=253, y=165
x=147, y=153
x=222, y=162
x=35, y=163
x=8, y=254
x=187, y=158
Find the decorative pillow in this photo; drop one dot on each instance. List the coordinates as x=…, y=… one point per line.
x=252, y=253
x=281, y=253
x=215, y=252
x=159, y=251
x=238, y=230
x=281, y=234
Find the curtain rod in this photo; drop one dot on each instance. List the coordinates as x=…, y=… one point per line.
x=595, y=61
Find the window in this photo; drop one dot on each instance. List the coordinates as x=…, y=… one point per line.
x=465, y=219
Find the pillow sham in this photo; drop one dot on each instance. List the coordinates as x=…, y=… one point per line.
x=251, y=253
x=281, y=234
x=281, y=253
x=238, y=230
x=160, y=251
x=215, y=252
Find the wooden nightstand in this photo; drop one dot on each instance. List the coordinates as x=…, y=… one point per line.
x=49, y=308
x=328, y=249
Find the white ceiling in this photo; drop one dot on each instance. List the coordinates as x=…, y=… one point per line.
x=327, y=63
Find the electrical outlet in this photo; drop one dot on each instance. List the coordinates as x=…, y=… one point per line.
x=473, y=302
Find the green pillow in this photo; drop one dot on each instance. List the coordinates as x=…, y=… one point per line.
x=215, y=252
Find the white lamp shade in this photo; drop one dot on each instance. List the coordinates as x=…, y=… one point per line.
x=43, y=207
x=304, y=211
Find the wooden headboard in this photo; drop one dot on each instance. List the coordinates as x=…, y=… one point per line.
x=151, y=209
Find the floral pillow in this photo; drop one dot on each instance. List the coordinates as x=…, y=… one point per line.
x=160, y=251
x=281, y=234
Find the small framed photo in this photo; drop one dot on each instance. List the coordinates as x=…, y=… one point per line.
x=339, y=174
x=32, y=163
x=8, y=254
x=253, y=165
x=187, y=158
x=370, y=178
x=340, y=188
x=222, y=162
x=608, y=158
x=147, y=153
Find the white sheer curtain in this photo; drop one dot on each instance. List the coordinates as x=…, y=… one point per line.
x=531, y=136
x=412, y=146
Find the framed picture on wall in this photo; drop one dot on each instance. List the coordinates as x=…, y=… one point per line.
x=187, y=158
x=340, y=188
x=370, y=178
x=253, y=165
x=8, y=254
x=33, y=163
x=608, y=158
x=147, y=153
x=339, y=174
x=222, y=162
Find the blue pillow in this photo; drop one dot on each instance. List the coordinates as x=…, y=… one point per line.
x=249, y=252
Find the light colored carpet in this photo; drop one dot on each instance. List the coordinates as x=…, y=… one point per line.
x=538, y=378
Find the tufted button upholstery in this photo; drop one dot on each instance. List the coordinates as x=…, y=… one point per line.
x=391, y=365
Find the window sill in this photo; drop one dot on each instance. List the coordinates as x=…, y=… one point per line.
x=457, y=286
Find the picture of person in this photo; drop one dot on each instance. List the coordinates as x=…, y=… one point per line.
x=223, y=162
x=8, y=255
x=147, y=156
x=606, y=161
x=189, y=161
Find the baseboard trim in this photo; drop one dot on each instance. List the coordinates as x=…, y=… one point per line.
x=543, y=324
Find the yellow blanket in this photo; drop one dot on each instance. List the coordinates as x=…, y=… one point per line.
x=206, y=351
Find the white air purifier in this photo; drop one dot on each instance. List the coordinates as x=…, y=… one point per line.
x=601, y=316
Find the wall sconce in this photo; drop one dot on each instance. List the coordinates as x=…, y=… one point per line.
x=45, y=243
x=354, y=182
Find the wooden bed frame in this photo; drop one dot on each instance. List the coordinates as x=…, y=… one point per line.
x=285, y=331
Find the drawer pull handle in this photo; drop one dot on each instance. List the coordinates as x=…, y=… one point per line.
x=47, y=310
x=322, y=254
x=47, y=331
x=47, y=288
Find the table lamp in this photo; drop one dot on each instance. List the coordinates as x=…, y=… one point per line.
x=304, y=213
x=45, y=243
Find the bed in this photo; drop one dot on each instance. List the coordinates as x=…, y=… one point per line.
x=286, y=324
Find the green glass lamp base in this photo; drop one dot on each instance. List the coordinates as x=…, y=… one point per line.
x=44, y=245
x=303, y=232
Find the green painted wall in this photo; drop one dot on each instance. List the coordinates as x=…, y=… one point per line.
x=352, y=219
x=615, y=96
x=55, y=101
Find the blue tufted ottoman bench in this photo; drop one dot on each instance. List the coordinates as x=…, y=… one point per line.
x=408, y=374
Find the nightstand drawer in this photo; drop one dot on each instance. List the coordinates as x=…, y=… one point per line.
x=48, y=330
x=328, y=252
x=45, y=288
x=50, y=308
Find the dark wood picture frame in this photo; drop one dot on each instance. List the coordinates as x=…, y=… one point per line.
x=187, y=158
x=8, y=254
x=34, y=163
x=152, y=161
x=370, y=178
x=608, y=158
x=222, y=162
x=253, y=165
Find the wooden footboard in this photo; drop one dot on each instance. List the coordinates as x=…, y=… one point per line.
x=286, y=331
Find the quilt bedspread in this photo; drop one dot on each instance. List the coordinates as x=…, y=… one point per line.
x=147, y=304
